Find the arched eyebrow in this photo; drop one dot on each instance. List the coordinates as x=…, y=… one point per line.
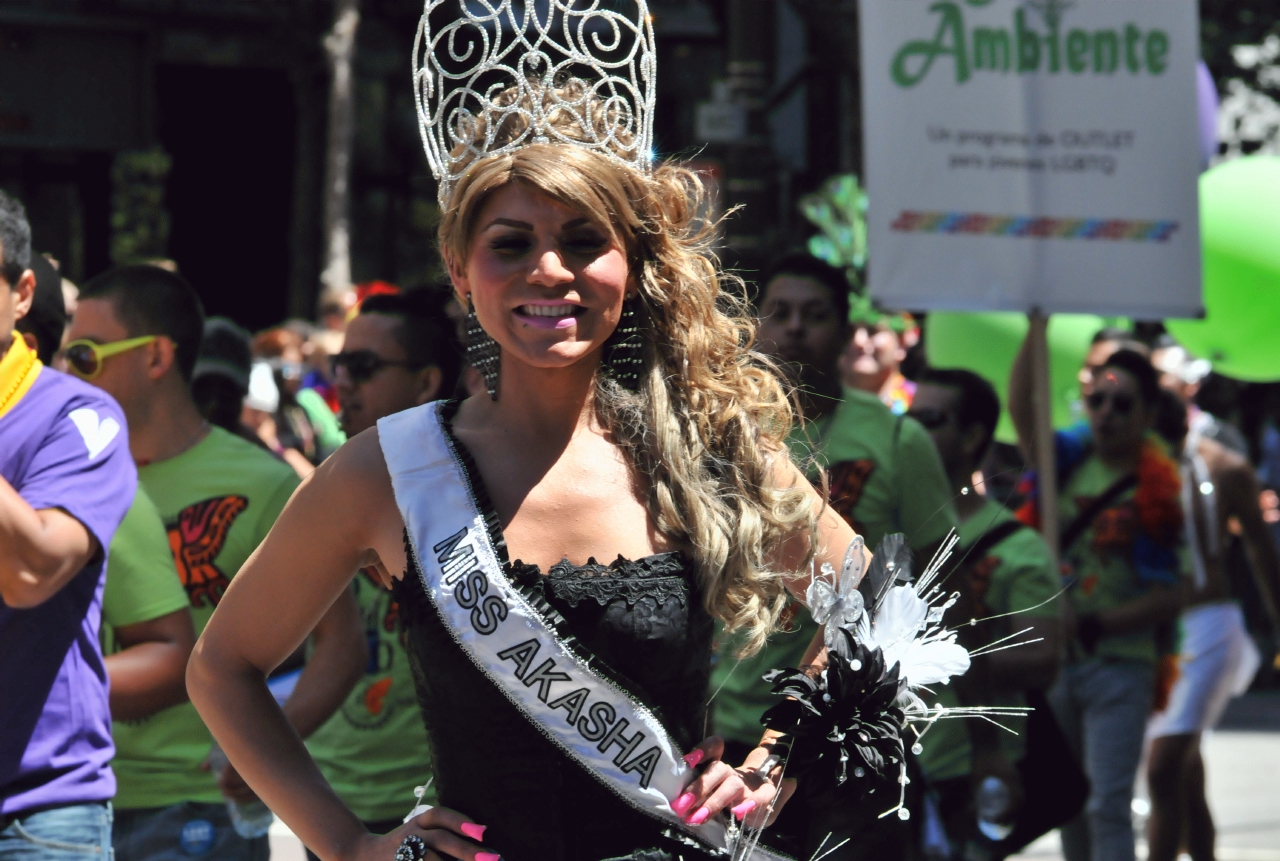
x=524, y=225
x=509, y=222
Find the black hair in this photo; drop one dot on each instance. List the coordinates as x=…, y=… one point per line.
x=1139, y=367
x=15, y=240
x=225, y=350
x=976, y=401
x=426, y=334
x=154, y=301
x=1113, y=333
x=1170, y=419
x=801, y=264
x=47, y=319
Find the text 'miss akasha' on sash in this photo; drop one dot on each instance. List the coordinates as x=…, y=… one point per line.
x=587, y=715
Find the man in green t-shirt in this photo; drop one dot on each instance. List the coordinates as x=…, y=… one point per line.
x=398, y=353
x=217, y=496
x=883, y=473
x=147, y=633
x=1005, y=568
x=1120, y=528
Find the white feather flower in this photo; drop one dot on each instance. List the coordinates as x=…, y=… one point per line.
x=926, y=653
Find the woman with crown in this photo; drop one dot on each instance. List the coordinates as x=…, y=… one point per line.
x=562, y=547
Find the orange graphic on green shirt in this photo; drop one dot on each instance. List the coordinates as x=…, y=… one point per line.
x=1114, y=529
x=196, y=539
x=376, y=695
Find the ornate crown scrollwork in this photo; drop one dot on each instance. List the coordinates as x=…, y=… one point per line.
x=491, y=77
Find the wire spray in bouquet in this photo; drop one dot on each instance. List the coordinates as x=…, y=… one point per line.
x=886, y=643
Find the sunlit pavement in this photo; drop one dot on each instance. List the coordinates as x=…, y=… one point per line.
x=1243, y=762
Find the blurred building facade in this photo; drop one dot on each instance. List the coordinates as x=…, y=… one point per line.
x=195, y=130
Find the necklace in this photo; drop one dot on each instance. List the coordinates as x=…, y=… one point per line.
x=16, y=373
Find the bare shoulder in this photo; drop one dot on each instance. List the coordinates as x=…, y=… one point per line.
x=353, y=482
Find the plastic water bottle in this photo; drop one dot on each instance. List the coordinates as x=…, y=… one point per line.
x=993, y=803
x=250, y=819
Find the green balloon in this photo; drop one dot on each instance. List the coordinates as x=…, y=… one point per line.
x=988, y=342
x=1240, y=229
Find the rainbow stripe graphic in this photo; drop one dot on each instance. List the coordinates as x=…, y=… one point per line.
x=979, y=224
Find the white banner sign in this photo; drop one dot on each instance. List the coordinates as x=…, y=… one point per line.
x=1033, y=154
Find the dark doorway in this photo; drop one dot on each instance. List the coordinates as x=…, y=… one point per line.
x=231, y=133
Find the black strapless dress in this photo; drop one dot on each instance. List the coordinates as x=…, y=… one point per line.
x=644, y=619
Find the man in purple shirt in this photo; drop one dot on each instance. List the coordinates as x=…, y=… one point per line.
x=66, y=480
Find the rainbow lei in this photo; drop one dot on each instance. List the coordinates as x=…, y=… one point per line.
x=1157, y=501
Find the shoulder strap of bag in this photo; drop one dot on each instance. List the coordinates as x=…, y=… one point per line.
x=1085, y=518
x=984, y=545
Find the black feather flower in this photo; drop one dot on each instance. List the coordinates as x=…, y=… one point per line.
x=845, y=725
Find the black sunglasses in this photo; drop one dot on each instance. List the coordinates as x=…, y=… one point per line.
x=931, y=419
x=361, y=365
x=1121, y=404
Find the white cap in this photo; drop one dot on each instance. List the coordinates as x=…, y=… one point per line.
x=263, y=394
x=1175, y=360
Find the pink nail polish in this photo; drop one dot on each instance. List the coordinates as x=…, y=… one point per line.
x=488, y=856
x=700, y=817
x=694, y=757
x=475, y=832
x=744, y=808
x=683, y=803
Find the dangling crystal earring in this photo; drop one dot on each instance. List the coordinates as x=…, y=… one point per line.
x=483, y=353
x=624, y=351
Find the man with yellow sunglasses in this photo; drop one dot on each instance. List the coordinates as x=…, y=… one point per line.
x=136, y=333
x=66, y=481
x=84, y=358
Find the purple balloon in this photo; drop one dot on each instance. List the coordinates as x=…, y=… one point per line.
x=1207, y=96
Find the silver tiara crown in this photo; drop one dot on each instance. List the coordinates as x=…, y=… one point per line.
x=491, y=76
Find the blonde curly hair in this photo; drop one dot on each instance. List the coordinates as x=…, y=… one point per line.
x=708, y=424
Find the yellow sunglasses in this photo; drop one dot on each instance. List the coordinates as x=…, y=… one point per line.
x=85, y=358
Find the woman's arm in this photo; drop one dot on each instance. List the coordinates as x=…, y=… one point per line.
x=341, y=518
x=743, y=790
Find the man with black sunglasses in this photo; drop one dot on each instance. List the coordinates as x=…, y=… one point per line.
x=1120, y=520
x=1006, y=579
x=398, y=353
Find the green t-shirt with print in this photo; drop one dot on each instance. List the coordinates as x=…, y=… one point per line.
x=1017, y=575
x=218, y=500
x=374, y=750
x=1100, y=561
x=885, y=476
x=142, y=583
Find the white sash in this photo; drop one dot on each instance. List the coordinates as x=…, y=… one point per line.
x=591, y=718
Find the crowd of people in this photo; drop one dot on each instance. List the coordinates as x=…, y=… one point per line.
x=149, y=458
x=142, y=479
